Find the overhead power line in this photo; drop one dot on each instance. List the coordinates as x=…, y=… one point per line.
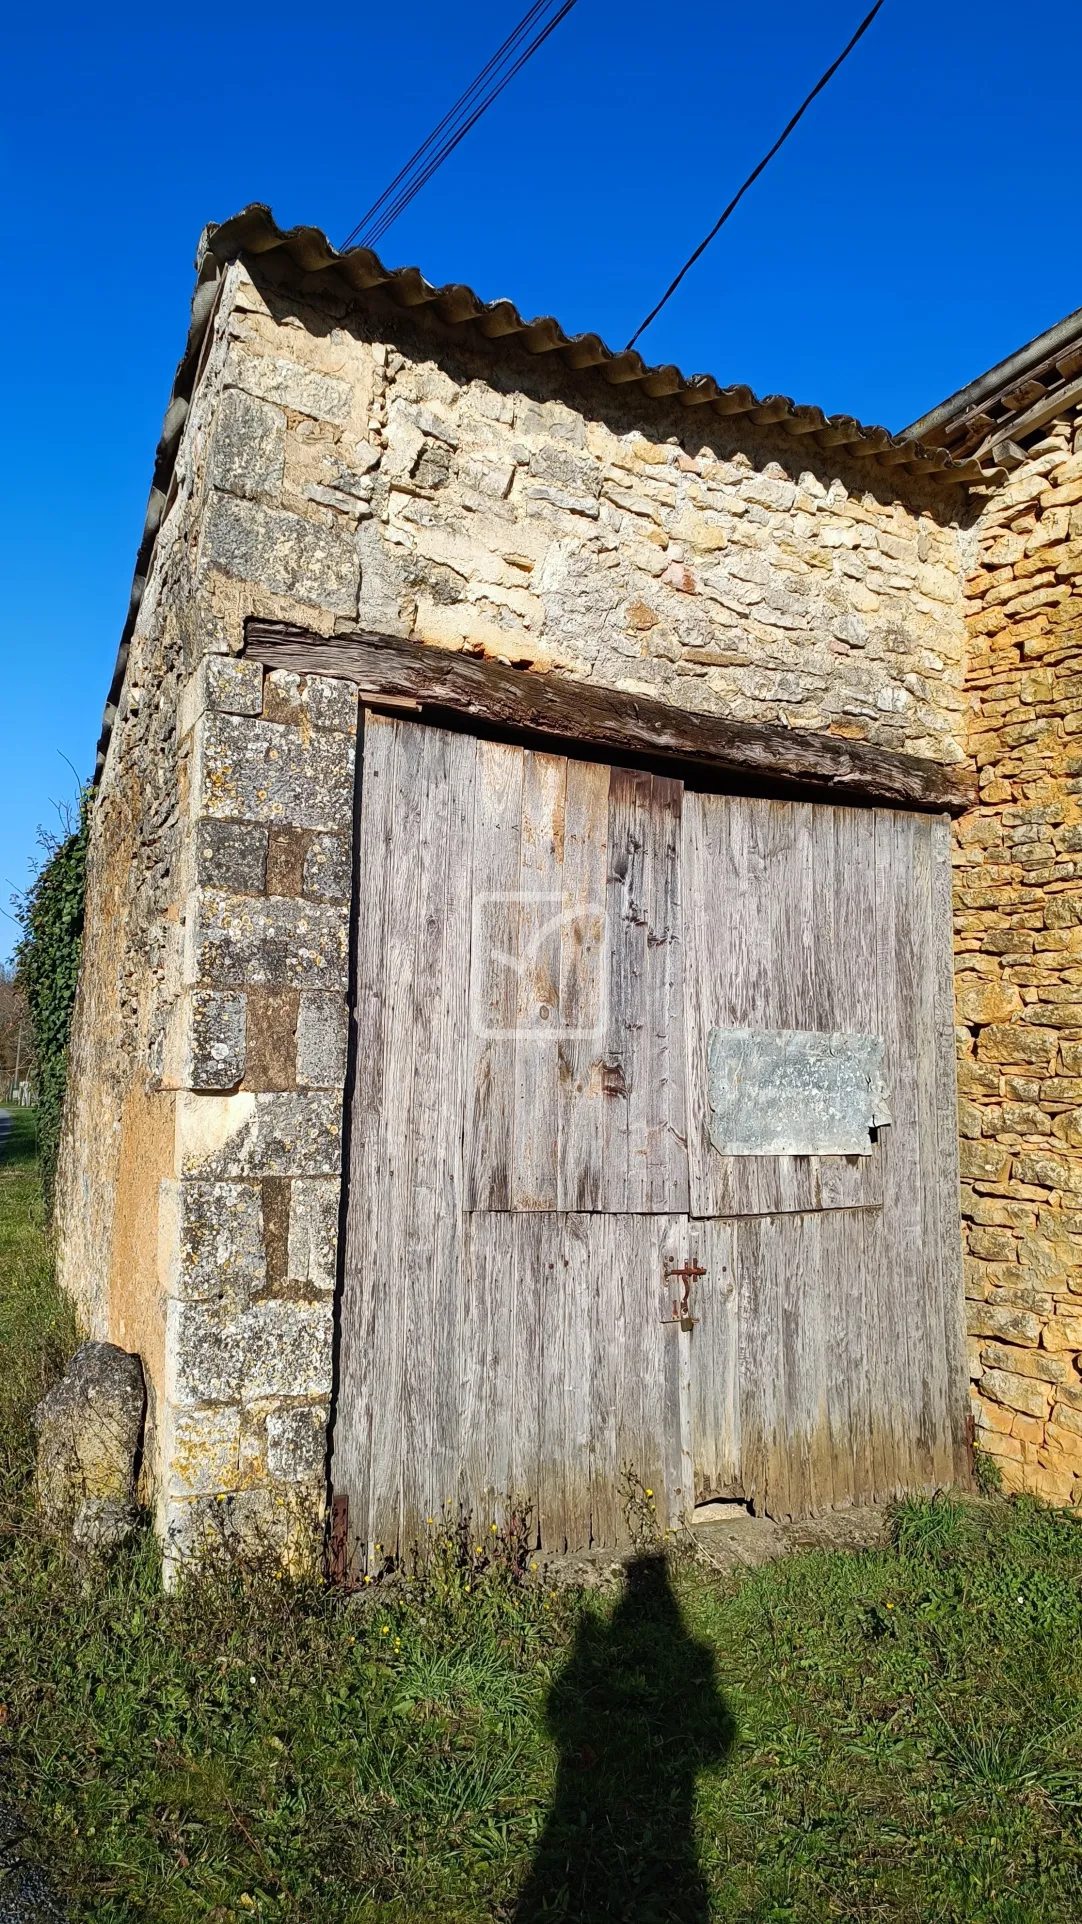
x=754, y=175
x=497, y=74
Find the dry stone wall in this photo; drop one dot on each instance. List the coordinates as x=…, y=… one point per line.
x=1018, y=936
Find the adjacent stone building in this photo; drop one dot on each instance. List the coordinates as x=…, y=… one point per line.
x=1018, y=912
x=350, y=450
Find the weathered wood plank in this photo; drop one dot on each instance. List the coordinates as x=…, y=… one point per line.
x=493, y=977
x=609, y=719
x=351, y=1463
x=537, y=982
x=715, y=1365
x=656, y=1100
x=583, y=987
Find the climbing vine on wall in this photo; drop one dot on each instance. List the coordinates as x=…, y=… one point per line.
x=47, y=959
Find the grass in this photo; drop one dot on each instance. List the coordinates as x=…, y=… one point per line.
x=891, y=1735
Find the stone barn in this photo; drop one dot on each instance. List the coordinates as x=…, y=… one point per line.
x=514, y=1060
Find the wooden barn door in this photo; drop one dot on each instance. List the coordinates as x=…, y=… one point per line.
x=558, y=1292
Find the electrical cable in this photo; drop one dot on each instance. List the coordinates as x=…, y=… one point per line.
x=752, y=177
x=452, y=129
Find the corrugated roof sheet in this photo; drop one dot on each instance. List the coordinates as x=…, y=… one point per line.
x=316, y=264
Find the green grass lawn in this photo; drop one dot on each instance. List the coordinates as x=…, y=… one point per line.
x=891, y=1735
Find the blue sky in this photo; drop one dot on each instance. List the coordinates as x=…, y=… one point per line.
x=922, y=222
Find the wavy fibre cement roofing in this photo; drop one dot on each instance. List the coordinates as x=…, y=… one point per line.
x=255, y=232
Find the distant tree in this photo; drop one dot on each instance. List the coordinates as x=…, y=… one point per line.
x=47, y=971
x=17, y=1058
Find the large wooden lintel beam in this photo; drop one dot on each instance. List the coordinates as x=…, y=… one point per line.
x=608, y=719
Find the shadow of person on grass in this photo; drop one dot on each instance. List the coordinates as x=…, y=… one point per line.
x=637, y=1715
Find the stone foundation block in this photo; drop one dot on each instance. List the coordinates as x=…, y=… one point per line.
x=202, y=1449
x=297, y=1443
x=90, y=1428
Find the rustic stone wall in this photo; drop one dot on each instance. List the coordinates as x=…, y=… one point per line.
x=419, y=488
x=343, y=470
x=1018, y=926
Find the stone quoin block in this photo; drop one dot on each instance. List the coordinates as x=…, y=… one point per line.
x=288, y=553
x=297, y=1443
x=231, y=856
x=322, y=1035
x=327, y=869
x=267, y=942
x=248, y=447
x=288, y=385
x=313, y=1232
x=272, y=1348
x=216, y=1040
x=260, y=771
x=228, y=1138
x=216, y=1232
x=204, y=1450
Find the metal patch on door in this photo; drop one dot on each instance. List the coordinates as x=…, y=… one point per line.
x=794, y=1092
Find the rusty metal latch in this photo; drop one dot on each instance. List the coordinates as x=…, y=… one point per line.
x=681, y=1311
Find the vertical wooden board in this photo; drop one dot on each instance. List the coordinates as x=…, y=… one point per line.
x=537, y=1011
x=945, y=1105
x=494, y=958
x=927, y=936
x=552, y=1284
x=397, y=1140
x=763, y=1458
x=605, y=1342
x=625, y=1236
x=531, y=1242
x=351, y=1451
x=664, y=1246
x=842, y=1473
x=657, y=1124
x=626, y=929
x=716, y=1364
x=583, y=986
x=485, y=1470
x=451, y=1070
x=899, y=1246
x=583, y=1244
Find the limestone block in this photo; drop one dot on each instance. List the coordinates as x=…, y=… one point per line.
x=988, y=1001
x=272, y=1348
x=982, y=1161
x=231, y=856
x=247, y=446
x=202, y=1450
x=260, y=771
x=331, y=703
x=327, y=876
x=89, y=1429
x=1050, y=1172
x=211, y=1236
x=1026, y=1362
x=282, y=552
x=297, y=1443
x=228, y=1138
x=274, y=941
x=1011, y=1042
x=313, y=1232
x=280, y=1522
x=322, y=1030
x=1063, y=1333
x=1014, y=1325
x=216, y=1040
x=287, y=385
x=1015, y=1392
